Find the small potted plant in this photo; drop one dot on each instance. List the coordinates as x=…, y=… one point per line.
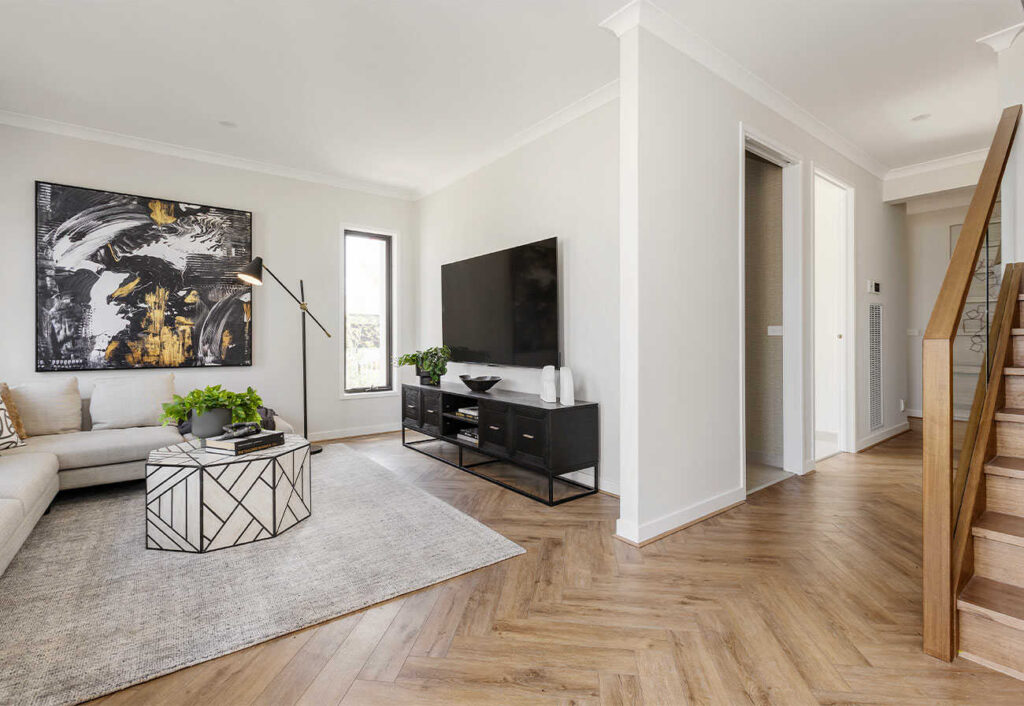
x=430, y=364
x=211, y=408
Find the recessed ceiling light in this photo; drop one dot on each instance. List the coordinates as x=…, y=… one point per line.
x=919, y=118
x=229, y=123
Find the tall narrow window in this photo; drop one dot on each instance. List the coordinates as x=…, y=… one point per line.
x=367, y=312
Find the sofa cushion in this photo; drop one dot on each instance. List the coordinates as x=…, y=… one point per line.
x=11, y=516
x=137, y=401
x=9, y=438
x=49, y=407
x=26, y=477
x=12, y=409
x=99, y=447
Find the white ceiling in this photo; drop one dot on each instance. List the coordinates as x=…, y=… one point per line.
x=413, y=93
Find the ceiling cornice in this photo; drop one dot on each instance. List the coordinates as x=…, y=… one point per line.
x=591, y=101
x=31, y=122
x=1003, y=39
x=645, y=14
x=938, y=165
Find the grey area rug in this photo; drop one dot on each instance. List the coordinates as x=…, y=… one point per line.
x=85, y=609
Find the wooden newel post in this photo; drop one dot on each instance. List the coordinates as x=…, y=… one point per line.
x=937, y=498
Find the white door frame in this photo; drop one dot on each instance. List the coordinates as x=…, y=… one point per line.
x=847, y=397
x=795, y=444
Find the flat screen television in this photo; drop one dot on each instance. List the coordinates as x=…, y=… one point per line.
x=502, y=308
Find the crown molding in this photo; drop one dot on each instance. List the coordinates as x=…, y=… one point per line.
x=1003, y=39
x=645, y=14
x=938, y=165
x=586, y=104
x=32, y=122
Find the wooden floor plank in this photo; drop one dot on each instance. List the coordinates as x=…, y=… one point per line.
x=808, y=593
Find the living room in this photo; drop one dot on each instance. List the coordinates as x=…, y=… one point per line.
x=395, y=352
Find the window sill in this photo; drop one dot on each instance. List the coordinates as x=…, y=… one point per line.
x=368, y=395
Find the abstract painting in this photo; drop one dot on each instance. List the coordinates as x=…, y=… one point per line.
x=128, y=281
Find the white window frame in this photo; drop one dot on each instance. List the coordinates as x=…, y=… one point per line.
x=395, y=313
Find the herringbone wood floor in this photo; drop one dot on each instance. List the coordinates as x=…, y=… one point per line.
x=809, y=593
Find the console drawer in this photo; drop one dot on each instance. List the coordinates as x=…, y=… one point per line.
x=411, y=406
x=494, y=427
x=430, y=410
x=531, y=436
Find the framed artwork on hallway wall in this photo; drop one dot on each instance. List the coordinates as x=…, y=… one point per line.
x=125, y=281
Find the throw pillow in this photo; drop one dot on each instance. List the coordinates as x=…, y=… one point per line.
x=49, y=407
x=9, y=438
x=12, y=410
x=136, y=401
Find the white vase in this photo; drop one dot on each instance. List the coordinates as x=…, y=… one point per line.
x=547, y=384
x=568, y=395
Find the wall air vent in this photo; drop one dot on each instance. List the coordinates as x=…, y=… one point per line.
x=875, y=366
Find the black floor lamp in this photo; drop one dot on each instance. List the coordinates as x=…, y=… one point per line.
x=253, y=274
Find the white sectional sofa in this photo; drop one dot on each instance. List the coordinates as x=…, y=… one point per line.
x=76, y=453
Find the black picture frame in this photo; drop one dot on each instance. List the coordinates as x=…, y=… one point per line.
x=238, y=259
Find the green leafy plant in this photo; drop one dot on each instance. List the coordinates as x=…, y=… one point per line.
x=432, y=362
x=243, y=405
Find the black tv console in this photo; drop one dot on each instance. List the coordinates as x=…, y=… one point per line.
x=547, y=439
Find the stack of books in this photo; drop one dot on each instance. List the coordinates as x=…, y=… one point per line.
x=468, y=413
x=245, y=444
x=469, y=435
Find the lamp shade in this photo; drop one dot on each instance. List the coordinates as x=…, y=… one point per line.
x=252, y=273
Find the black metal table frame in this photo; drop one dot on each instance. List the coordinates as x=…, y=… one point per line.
x=468, y=468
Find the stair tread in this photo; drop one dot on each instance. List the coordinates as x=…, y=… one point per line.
x=1012, y=466
x=993, y=599
x=1009, y=528
x=1010, y=414
x=1013, y=371
x=1017, y=331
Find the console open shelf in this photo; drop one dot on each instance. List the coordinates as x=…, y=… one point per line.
x=539, y=449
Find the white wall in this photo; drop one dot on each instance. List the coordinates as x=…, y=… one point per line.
x=564, y=184
x=296, y=228
x=928, y=251
x=688, y=174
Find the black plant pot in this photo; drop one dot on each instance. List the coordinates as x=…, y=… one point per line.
x=425, y=378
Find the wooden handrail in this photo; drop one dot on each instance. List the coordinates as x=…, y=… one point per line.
x=939, y=582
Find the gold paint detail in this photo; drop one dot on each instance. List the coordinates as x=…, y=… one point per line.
x=160, y=345
x=111, y=347
x=125, y=289
x=112, y=253
x=225, y=344
x=304, y=306
x=161, y=212
x=247, y=311
x=192, y=297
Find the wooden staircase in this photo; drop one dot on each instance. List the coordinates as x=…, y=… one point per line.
x=990, y=608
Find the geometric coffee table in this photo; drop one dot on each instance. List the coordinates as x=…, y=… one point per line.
x=197, y=501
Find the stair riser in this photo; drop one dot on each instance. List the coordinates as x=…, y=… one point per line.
x=992, y=641
x=999, y=561
x=1004, y=494
x=1010, y=437
x=1018, y=349
x=1014, y=390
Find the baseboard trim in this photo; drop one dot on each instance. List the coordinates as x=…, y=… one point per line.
x=681, y=519
x=339, y=434
x=882, y=435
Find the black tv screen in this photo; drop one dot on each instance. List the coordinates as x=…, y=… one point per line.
x=502, y=308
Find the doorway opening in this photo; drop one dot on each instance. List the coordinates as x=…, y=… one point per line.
x=763, y=321
x=833, y=216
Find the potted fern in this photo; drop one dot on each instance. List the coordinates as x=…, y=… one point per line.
x=211, y=408
x=430, y=364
